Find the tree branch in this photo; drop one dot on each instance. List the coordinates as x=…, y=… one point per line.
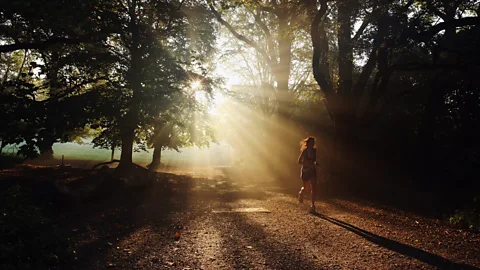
x=408, y=5
x=381, y=78
x=320, y=59
x=25, y=55
x=364, y=25
x=317, y=34
x=264, y=27
x=241, y=37
x=370, y=65
x=41, y=45
x=423, y=67
x=170, y=20
x=372, y=15
x=426, y=35
x=435, y=11
x=265, y=8
x=68, y=91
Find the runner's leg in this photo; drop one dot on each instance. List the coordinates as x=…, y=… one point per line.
x=300, y=193
x=306, y=184
x=313, y=185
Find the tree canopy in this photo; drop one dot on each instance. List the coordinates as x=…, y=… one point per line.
x=373, y=79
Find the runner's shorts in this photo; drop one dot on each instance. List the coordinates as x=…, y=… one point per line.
x=308, y=174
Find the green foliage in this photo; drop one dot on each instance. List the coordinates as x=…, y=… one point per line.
x=43, y=21
x=103, y=64
x=468, y=217
x=46, y=85
x=154, y=70
x=20, y=119
x=30, y=240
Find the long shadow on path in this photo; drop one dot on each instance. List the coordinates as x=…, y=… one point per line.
x=117, y=217
x=276, y=252
x=398, y=247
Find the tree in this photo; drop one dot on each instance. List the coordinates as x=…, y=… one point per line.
x=11, y=69
x=186, y=122
x=58, y=75
x=390, y=31
x=270, y=39
x=272, y=29
x=118, y=60
x=28, y=25
x=156, y=45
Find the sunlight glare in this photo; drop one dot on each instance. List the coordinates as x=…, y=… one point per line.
x=195, y=85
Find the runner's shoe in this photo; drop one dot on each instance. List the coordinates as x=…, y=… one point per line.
x=300, y=196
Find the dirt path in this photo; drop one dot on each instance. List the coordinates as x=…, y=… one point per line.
x=236, y=225
x=343, y=235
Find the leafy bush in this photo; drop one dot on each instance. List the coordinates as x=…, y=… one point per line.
x=468, y=217
x=29, y=239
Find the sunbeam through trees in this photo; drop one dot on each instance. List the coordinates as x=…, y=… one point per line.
x=157, y=94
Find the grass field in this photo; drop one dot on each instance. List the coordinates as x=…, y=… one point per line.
x=215, y=155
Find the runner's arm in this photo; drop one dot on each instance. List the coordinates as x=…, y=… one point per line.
x=300, y=158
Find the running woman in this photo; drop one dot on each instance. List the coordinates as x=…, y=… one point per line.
x=308, y=173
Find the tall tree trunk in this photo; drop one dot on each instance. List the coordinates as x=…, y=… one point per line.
x=321, y=73
x=46, y=150
x=7, y=70
x=436, y=102
x=161, y=138
x=340, y=104
x=282, y=69
x=127, y=131
x=20, y=71
x=344, y=107
x=49, y=135
x=426, y=134
x=127, y=136
x=345, y=113
x=345, y=51
x=156, y=158
x=450, y=9
x=112, y=156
